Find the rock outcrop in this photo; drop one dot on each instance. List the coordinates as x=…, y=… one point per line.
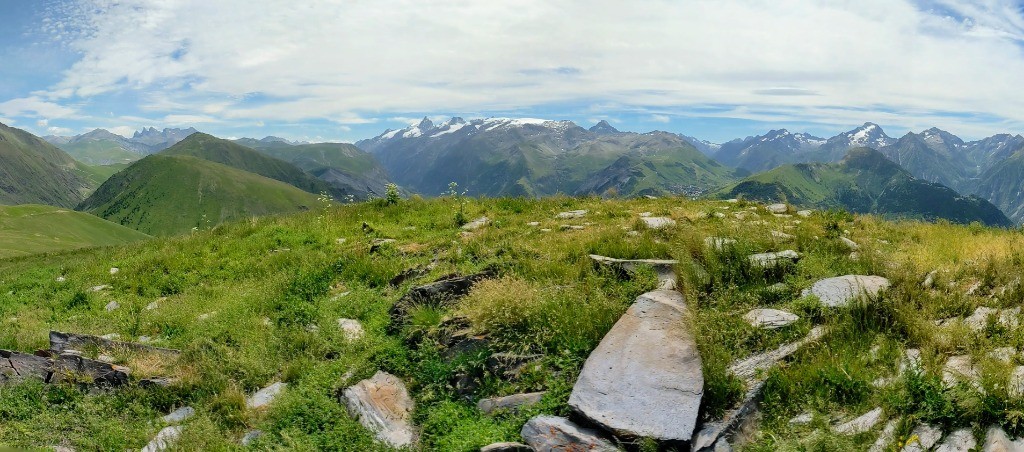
x=841, y=290
x=382, y=404
x=555, y=434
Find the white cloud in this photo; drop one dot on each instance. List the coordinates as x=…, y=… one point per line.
x=59, y=131
x=347, y=61
x=35, y=107
x=660, y=118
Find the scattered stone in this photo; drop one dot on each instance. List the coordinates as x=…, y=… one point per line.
x=571, y=227
x=59, y=342
x=476, y=224
x=804, y=213
x=15, y=367
x=841, y=290
x=506, y=447
x=533, y=223
x=861, y=424
x=555, y=434
x=979, y=318
x=886, y=437
x=265, y=396
x=644, y=378
x=768, y=260
x=718, y=215
x=996, y=440
x=959, y=368
x=849, y=243
x=113, y=305
x=922, y=438
x=412, y=273
x=718, y=243
x=162, y=382
x=99, y=288
x=103, y=358
x=351, y=329
x=164, y=439
x=911, y=360
x=511, y=403
x=802, y=419
x=1015, y=388
x=571, y=214
x=748, y=369
x=745, y=214
x=722, y=446
x=440, y=293
x=179, y=415
x=645, y=214
x=377, y=244
x=114, y=270
x=153, y=305
x=664, y=268
x=251, y=436
x=929, y=280
x=75, y=368
x=959, y=441
x=777, y=208
x=658, y=222
x=545, y=230
x=971, y=291
x=61, y=279
x=382, y=405
x=778, y=235
x=111, y=336
x=1003, y=354
x=340, y=241
x=770, y=319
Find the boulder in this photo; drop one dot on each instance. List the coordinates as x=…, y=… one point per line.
x=860, y=424
x=571, y=214
x=555, y=434
x=664, y=268
x=658, y=222
x=510, y=403
x=15, y=367
x=768, y=260
x=506, y=447
x=644, y=378
x=996, y=440
x=841, y=290
x=959, y=441
x=922, y=438
x=351, y=329
x=770, y=319
x=164, y=440
x=777, y=208
x=382, y=405
x=265, y=396
x=476, y=224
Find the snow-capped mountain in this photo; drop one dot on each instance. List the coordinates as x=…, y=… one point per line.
x=869, y=135
x=764, y=152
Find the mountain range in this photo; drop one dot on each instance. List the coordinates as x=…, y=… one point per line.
x=102, y=147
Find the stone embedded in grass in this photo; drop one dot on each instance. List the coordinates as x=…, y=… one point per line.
x=114, y=270
x=746, y=214
x=551, y=433
x=1003, y=354
x=768, y=260
x=251, y=436
x=571, y=227
x=802, y=419
x=510, y=365
x=1015, y=388
x=960, y=368
x=853, y=246
x=533, y=223
x=663, y=268
x=911, y=360
x=61, y=278
x=658, y=222
x=99, y=288
x=164, y=440
x=571, y=214
x=476, y=224
x=382, y=405
x=979, y=319
x=351, y=329
x=646, y=214
x=886, y=437
x=112, y=306
x=749, y=368
x=929, y=279
x=60, y=341
x=179, y=415
x=777, y=208
x=265, y=396
x=959, y=441
x=506, y=447
x=805, y=213
x=841, y=290
x=441, y=293
x=770, y=319
x=377, y=244
x=718, y=243
x=996, y=440
x=644, y=378
x=510, y=403
x=922, y=438
x=778, y=235
x=860, y=424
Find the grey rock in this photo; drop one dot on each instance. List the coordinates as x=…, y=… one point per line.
x=510, y=403
x=886, y=437
x=60, y=341
x=959, y=441
x=113, y=305
x=804, y=213
x=718, y=243
x=841, y=290
x=265, y=396
x=382, y=405
x=506, y=447
x=802, y=419
x=929, y=280
x=749, y=368
x=164, y=440
x=853, y=246
x=74, y=368
x=658, y=222
x=996, y=440
x=251, y=436
x=768, y=260
x=555, y=434
x=351, y=329
x=779, y=235
x=860, y=424
x=441, y=293
x=664, y=268
x=644, y=378
x=1015, y=388
x=922, y=438
x=377, y=244
x=571, y=214
x=99, y=287
x=770, y=319
x=179, y=415
x=15, y=367
x=571, y=227
x=722, y=446
x=476, y=224
x=777, y=208
x=960, y=368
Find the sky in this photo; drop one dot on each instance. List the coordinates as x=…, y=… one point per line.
x=343, y=70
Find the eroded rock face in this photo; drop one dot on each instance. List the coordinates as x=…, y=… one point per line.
x=382, y=404
x=841, y=290
x=644, y=379
x=555, y=434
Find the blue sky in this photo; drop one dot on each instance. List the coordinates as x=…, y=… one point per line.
x=346, y=70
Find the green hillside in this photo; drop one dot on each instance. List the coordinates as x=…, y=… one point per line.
x=171, y=194
x=258, y=301
x=865, y=181
x=32, y=229
x=33, y=171
x=225, y=152
x=100, y=152
x=342, y=165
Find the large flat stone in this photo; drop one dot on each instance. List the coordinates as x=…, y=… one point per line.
x=382, y=404
x=959, y=441
x=770, y=319
x=60, y=341
x=555, y=434
x=265, y=396
x=644, y=379
x=841, y=290
x=769, y=260
x=511, y=402
x=861, y=423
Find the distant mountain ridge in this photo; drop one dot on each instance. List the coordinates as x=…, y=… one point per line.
x=102, y=147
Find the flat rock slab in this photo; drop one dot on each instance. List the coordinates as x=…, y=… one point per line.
x=382, y=405
x=960, y=368
x=959, y=441
x=768, y=260
x=996, y=440
x=164, y=440
x=511, y=403
x=770, y=319
x=886, y=437
x=658, y=222
x=860, y=424
x=571, y=214
x=749, y=368
x=841, y=290
x=66, y=367
x=718, y=243
x=922, y=438
x=506, y=447
x=555, y=434
x=60, y=341
x=265, y=396
x=664, y=268
x=644, y=379
x=777, y=208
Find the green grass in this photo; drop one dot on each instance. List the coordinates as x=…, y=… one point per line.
x=33, y=229
x=240, y=300
x=100, y=152
x=36, y=172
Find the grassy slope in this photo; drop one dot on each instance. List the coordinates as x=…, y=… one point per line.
x=263, y=282
x=32, y=229
x=34, y=171
x=316, y=156
x=164, y=195
x=100, y=152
